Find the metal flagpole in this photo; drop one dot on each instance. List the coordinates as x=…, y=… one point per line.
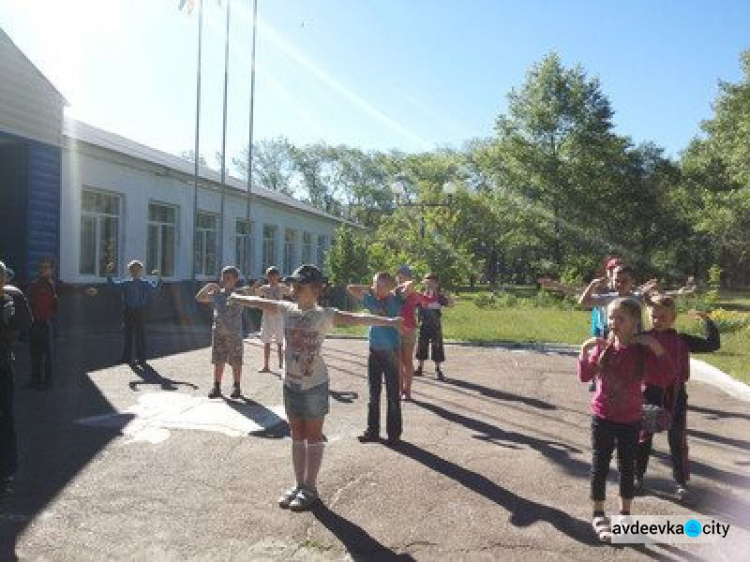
x=197, y=136
x=224, y=139
x=248, y=239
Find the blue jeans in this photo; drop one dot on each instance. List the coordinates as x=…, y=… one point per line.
x=383, y=363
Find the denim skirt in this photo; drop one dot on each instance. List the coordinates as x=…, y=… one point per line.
x=310, y=404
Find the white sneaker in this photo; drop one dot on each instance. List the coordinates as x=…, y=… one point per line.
x=304, y=500
x=287, y=497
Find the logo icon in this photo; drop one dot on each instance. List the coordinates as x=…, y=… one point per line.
x=693, y=528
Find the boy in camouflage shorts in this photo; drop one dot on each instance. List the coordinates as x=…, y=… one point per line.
x=226, y=332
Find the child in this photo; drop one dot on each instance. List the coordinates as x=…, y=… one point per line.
x=43, y=300
x=410, y=299
x=15, y=316
x=430, y=328
x=305, y=375
x=383, y=360
x=662, y=313
x=271, y=326
x=136, y=293
x=226, y=332
x=618, y=366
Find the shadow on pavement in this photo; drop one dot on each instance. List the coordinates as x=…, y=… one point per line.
x=501, y=395
x=273, y=426
x=552, y=450
x=715, y=414
x=523, y=512
x=150, y=376
x=358, y=542
x=714, y=438
x=344, y=396
x=52, y=449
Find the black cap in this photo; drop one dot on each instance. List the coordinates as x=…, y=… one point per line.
x=306, y=274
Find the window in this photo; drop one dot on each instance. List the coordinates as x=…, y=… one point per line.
x=162, y=238
x=205, y=245
x=243, y=246
x=269, y=245
x=321, y=250
x=100, y=232
x=290, y=249
x=307, y=246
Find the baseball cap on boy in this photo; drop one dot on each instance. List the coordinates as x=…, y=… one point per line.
x=306, y=274
x=406, y=271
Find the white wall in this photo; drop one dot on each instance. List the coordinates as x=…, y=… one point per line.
x=31, y=107
x=138, y=183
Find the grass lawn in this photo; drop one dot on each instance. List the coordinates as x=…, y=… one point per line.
x=552, y=324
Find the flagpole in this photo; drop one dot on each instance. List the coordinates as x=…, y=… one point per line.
x=197, y=136
x=248, y=242
x=224, y=138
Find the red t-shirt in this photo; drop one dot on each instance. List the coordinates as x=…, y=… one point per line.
x=409, y=310
x=42, y=299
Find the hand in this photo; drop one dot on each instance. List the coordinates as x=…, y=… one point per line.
x=212, y=288
x=651, y=285
x=599, y=282
x=698, y=315
x=591, y=343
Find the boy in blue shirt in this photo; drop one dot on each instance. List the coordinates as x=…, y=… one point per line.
x=383, y=359
x=136, y=293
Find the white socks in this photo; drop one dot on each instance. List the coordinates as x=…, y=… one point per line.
x=299, y=456
x=314, y=460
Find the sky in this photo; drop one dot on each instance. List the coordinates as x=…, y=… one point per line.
x=411, y=75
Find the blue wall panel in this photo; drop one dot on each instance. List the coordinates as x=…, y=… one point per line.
x=44, y=205
x=14, y=204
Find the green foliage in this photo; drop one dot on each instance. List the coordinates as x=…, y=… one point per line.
x=347, y=258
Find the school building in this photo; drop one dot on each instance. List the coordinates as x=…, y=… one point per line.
x=88, y=197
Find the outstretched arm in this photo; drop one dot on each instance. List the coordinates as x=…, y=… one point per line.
x=358, y=292
x=587, y=298
x=265, y=305
x=365, y=319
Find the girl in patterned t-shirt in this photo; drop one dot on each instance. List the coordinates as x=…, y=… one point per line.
x=305, y=375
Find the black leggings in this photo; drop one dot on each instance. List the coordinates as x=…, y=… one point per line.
x=605, y=435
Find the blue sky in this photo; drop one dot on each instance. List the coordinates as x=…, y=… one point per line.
x=406, y=74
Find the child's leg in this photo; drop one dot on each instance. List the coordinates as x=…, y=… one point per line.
x=237, y=373
x=677, y=436
x=140, y=337
x=375, y=383
x=218, y=373
x=627, y=446
x=603, y=443
x=390, y=365
x=299, y=449
x=127, y=333
x=313, y=430
x=423, y=343
x=266, y=356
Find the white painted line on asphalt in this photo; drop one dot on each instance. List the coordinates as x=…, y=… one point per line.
x=156, y=413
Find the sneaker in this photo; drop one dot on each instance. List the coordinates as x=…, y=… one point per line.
x=369, y=437
x=236, y=393
x=638, y=487
x=682, y=492
x=304, y=500
x=287, y=497
x=215, y=392
x=440, y=375
x=264, y=370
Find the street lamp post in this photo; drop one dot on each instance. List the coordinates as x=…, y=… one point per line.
x=400, y=190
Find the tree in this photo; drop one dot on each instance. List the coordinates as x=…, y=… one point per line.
x=273, y=165
x=553, y=148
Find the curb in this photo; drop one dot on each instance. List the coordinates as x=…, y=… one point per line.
x=705, y=373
